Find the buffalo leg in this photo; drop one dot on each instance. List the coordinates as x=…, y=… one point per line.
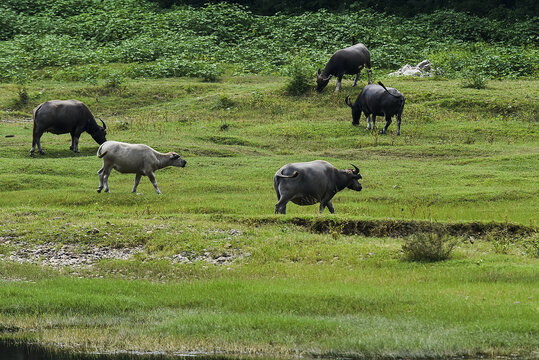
x=388, y=122
x=36, y=140
x=373, y=122
x=33, y=149
x=105, y=178
x=137, y=180
x=338, y=87
x=100, y=173
x=330, y=207
x=369, y=73
x=398, y=124
x=328, y=204
x=368, y=121
x=356, y=79
x=74, y=143
x=151, y=176
x=280, y=207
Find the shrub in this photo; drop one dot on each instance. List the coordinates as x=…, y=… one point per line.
x=531, y=245
x=429, y=246
x=22, y=98
x=474, y=79
x=223, y=102
x=505, y=243
x=300, y=77
x=114, y=80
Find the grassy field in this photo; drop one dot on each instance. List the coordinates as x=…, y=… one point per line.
x=299, y=284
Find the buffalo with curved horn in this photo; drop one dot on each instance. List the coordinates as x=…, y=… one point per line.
x=350, y=60
x=308, y=183
x=377, y=100
x=62, y=117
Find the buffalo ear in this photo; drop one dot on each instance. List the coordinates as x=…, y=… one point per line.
x=347, y=101
x=175, y=156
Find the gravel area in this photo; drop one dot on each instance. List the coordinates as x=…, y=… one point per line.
x=73, y=255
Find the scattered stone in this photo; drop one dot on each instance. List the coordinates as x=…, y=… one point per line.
x=76, y=256
x=423, y=69
x=68, y=255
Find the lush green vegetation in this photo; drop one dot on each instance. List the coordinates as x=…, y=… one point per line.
x=459, y=184
x=72, y=40
x=301, y=283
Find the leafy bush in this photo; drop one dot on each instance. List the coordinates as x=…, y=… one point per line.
x=177, y=67
x=505, y=243
x=474, y=79
x=114, y=80
x=22, y=98
x=223, y=102
x=429, y=246
x=189, y=41
x=300, y=76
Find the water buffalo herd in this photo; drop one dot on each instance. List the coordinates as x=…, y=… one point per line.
x=303, y=183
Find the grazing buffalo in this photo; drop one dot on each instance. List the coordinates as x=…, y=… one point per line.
x=308, y=183
x=345, y=61
x=138, y=159
x=62, y=117
x=377, y=100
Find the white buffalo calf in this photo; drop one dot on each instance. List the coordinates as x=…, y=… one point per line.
x=138, y=159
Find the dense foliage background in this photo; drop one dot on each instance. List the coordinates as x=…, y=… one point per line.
x=91, y=39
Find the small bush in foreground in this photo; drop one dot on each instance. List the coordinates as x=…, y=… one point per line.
x=505, y=243
x=300, y=77
x=22, y=98
x=223, y=102
x=429, y=246
x=474, y=80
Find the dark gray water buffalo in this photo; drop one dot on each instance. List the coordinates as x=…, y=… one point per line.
x=62, y=117
x=377, y=100
x=345, y=61
x=308, y=183
x=138, y=159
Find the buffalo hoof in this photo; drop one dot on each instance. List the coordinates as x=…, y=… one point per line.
x=32, y=154
x=99, y=190
x=42, y=152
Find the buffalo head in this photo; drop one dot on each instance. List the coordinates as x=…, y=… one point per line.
x=176, y=160
x=321, y=81
x=99, y=134
x=356, y=110
x=354, y=176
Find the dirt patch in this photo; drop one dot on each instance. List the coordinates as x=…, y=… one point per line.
x=396, y=228
x=77, y=256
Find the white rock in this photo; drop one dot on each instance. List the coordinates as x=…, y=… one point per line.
x=425, y=65
x=412, y=72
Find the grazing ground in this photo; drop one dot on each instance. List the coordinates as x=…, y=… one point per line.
x=208, y=267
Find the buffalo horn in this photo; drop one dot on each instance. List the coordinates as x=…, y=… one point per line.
x=104, y=125
x=319, y=72
x=356, y=170
x=347, y=101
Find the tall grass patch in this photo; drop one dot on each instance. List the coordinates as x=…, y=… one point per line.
x=429, y=246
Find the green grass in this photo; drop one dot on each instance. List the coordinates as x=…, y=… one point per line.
x=305, y=284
